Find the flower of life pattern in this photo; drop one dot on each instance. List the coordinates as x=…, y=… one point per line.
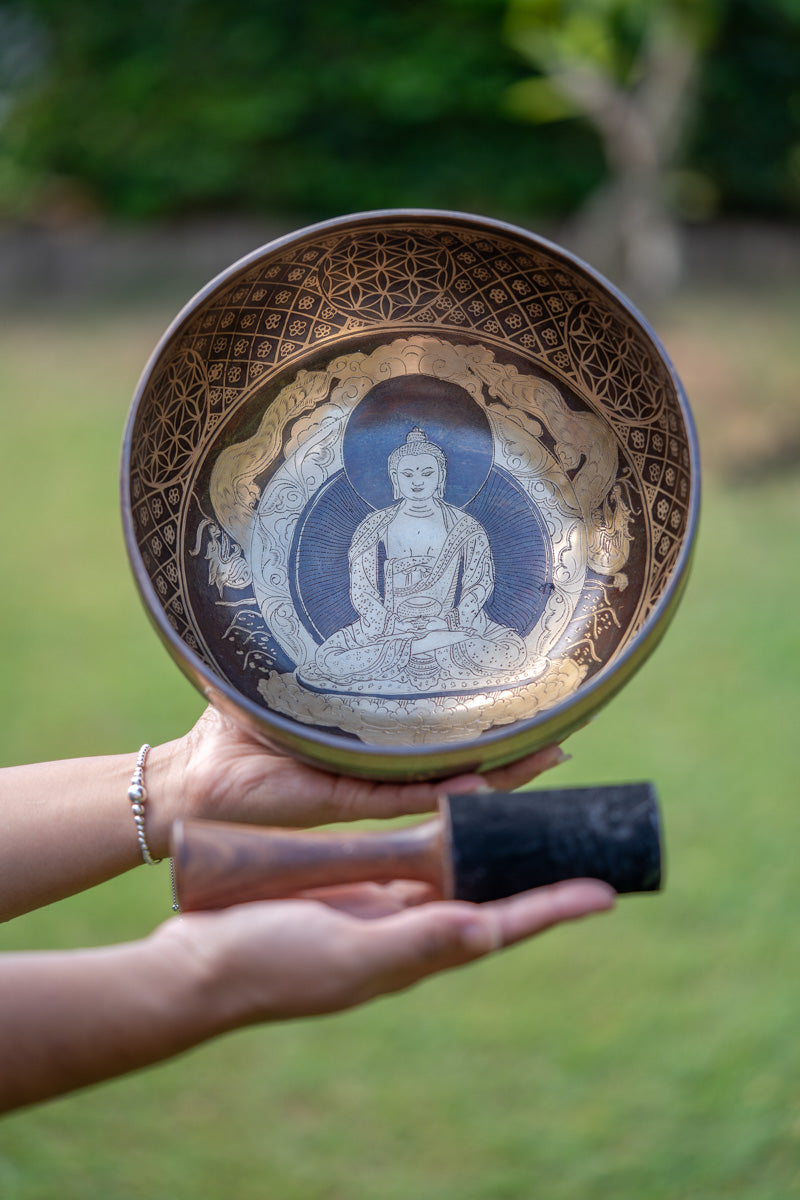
x=384, y=276
x=609, y=356
x=283, y=307
x=178, y=415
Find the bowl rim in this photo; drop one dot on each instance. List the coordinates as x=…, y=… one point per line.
x=609, y=678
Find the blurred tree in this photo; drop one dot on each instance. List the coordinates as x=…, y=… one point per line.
x=629, y=68
x=155, y=109
x=745, y=144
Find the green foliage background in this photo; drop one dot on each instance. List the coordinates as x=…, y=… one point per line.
x=152, y=110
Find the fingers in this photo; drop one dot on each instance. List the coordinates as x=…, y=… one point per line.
x=385, y=800
x=372, y=900
x=353, y=799
x=529, y=913
x=514, y=775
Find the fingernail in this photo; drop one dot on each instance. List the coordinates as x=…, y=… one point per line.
x=558, y=756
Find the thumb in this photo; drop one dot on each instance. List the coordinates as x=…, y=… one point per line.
x=406, y=947
x=401, y=949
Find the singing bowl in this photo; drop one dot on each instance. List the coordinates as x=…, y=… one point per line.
x=410, y=493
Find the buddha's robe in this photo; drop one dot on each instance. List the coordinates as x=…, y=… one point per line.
x=421, y=618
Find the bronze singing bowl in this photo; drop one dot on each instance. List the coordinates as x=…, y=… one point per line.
x=410, y=493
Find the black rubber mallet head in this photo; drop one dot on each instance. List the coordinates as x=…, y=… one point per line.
x=506, y=844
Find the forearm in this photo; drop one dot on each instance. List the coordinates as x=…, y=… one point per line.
x=72, y=1019
x=68, y=825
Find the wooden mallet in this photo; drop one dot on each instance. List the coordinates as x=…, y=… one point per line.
x=480, y=847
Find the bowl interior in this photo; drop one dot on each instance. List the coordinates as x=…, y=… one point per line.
x=409, y=489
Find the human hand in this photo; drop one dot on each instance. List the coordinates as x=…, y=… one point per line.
x=218, y=771
x=274, y=960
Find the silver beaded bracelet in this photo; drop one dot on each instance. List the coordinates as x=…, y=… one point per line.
x=137, y=794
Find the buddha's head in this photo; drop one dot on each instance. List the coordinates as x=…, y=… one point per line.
x=417, y=468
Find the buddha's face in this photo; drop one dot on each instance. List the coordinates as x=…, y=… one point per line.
x=417, y=476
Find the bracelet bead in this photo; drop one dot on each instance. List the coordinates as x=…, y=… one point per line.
x=137, y=795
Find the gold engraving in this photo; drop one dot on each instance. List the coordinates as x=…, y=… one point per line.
x=238, y=442
x=308, y=418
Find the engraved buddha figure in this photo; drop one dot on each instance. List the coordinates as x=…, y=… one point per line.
x=421, y=574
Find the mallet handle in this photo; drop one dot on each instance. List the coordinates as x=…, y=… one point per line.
x=218, y=864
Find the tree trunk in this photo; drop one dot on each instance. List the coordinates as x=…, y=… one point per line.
x=627, y=230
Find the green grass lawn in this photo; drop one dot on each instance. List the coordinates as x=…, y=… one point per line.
x=648, y=1055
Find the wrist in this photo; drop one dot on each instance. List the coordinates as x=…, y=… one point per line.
x=170, y=994
x=195, y=979
x=163, y=780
